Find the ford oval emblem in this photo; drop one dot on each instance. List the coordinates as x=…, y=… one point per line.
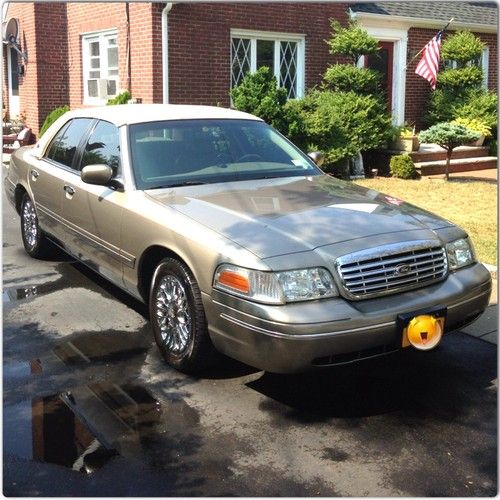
x=402, y=269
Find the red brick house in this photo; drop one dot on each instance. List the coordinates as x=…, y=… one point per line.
x=81, y=54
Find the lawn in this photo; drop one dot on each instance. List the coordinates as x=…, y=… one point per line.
x=470, y=204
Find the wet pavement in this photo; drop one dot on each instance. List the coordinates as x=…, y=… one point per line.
x=90, y=409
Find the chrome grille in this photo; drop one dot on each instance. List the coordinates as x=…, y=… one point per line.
x=392, y=268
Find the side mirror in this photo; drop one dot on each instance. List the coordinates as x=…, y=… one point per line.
x=317, y=157
x=97, y=174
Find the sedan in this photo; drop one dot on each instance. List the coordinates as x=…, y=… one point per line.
x=238, y=242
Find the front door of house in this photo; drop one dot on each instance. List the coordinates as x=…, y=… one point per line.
x=13, y=81
x=382, y=61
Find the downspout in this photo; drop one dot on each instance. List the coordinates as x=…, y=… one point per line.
x=164, y=49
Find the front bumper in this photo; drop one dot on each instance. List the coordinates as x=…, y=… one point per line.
x=296, y=337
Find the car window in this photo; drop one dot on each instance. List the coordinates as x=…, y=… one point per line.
x=206, y=151
x=64, y=145
x=103, y=147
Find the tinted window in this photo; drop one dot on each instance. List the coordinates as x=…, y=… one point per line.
x=63, y=147
x=103, y=146
x=206, y=151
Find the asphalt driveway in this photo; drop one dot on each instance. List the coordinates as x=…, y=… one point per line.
x=91, y=409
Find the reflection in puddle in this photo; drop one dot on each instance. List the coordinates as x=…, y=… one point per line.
x=13, y=294
x=84, y=428
x=80, y=429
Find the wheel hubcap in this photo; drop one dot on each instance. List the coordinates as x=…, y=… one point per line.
x=173, y=315
x=30, y=224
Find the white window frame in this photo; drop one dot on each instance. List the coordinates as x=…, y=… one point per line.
x=101, y=37
x=277, y=37
x=485, y=62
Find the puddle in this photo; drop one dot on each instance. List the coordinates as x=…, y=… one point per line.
x=13, y=294
x=84, y=428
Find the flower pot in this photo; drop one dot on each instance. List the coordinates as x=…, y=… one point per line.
x=408, y=144
x=477, y=143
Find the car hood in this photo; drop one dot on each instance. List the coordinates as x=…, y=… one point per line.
x=279, y=216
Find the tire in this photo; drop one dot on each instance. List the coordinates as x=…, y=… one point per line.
x=35, y=242
x=178, y=318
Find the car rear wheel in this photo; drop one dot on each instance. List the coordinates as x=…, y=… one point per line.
x=178, y=318
x=35, y=242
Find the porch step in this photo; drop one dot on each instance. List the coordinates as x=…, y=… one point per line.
x=457, y=165
x=433, y=152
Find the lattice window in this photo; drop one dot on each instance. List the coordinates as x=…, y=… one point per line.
x=283, y=54
x=240, y=60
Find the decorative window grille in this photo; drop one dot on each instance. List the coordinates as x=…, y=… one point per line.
x=282, y=53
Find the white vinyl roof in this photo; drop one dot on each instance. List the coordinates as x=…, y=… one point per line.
x=124, y=114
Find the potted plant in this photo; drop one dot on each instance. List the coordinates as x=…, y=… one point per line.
x=475, y=125
x=406, y=140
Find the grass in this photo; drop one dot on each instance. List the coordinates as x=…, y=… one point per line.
x=469, y=204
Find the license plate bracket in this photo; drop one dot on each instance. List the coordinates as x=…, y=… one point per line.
x=402, y=320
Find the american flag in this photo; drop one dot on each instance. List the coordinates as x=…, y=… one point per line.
x=428, y=66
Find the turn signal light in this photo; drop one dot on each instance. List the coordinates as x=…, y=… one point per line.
x=233, y=280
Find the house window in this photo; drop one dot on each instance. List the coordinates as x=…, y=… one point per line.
x=481, y=62
x=282, y=53
x=100, y=66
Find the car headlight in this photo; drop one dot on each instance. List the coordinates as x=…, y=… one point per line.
x=275, y=287
x=460, y=253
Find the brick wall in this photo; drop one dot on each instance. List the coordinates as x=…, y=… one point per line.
x=418, y=90
x=200, y=42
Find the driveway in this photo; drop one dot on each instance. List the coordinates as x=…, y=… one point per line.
x=91, y=410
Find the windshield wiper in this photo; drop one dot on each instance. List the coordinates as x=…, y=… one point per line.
x=178, y=184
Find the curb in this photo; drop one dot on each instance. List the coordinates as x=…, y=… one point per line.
x=492, y=269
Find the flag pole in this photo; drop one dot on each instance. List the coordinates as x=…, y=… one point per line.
x=421, y=50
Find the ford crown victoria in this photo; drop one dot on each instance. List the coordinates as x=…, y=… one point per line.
x=238, y=242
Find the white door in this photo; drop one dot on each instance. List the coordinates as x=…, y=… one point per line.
x=13, y=77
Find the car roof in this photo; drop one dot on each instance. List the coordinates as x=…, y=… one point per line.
x=124, y=114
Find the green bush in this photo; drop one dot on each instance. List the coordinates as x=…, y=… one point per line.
x=463, y=46
x=52, y=117
x=122, y=98
x=341, y=124
x=481, y=105
x=459, y=79
x=475, y=125
x=345, y=77
x=259, y=95
x=352, y=41
x=402, y=167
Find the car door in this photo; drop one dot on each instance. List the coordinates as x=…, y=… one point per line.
x=93, y=213
x=46, y=176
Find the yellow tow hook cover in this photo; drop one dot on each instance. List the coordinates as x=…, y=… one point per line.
x=424, y=332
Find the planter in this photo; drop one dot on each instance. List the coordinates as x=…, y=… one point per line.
x=407, y=144
x=477, y=143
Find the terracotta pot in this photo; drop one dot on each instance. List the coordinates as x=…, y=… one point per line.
x=477, y=143
x=408, y=144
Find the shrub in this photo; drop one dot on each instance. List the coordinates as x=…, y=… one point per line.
x=475, y=125
x=463, y=46
x=341, y=124
x=481, y=105
x=345, y=77
x=448, y=136
x=402, y=167
x=352, y=41
x=259, y=95
x=460, y=79
x=52, y=117
x=122, y=98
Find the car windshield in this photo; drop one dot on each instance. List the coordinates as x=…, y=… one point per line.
x=189, y=152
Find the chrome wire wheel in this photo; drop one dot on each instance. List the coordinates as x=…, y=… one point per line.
x=30, y=224
x=173, y=314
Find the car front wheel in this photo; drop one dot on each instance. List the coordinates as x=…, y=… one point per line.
x=178, y=318
x=34, y=240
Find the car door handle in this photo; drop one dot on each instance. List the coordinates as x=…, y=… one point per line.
x=34, y=174
x=69, y=190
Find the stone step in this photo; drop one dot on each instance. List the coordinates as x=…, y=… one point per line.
x=457, y=165
x=432, y=152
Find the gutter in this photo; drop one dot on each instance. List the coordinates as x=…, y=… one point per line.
x=164, y=49
x=421, y=22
